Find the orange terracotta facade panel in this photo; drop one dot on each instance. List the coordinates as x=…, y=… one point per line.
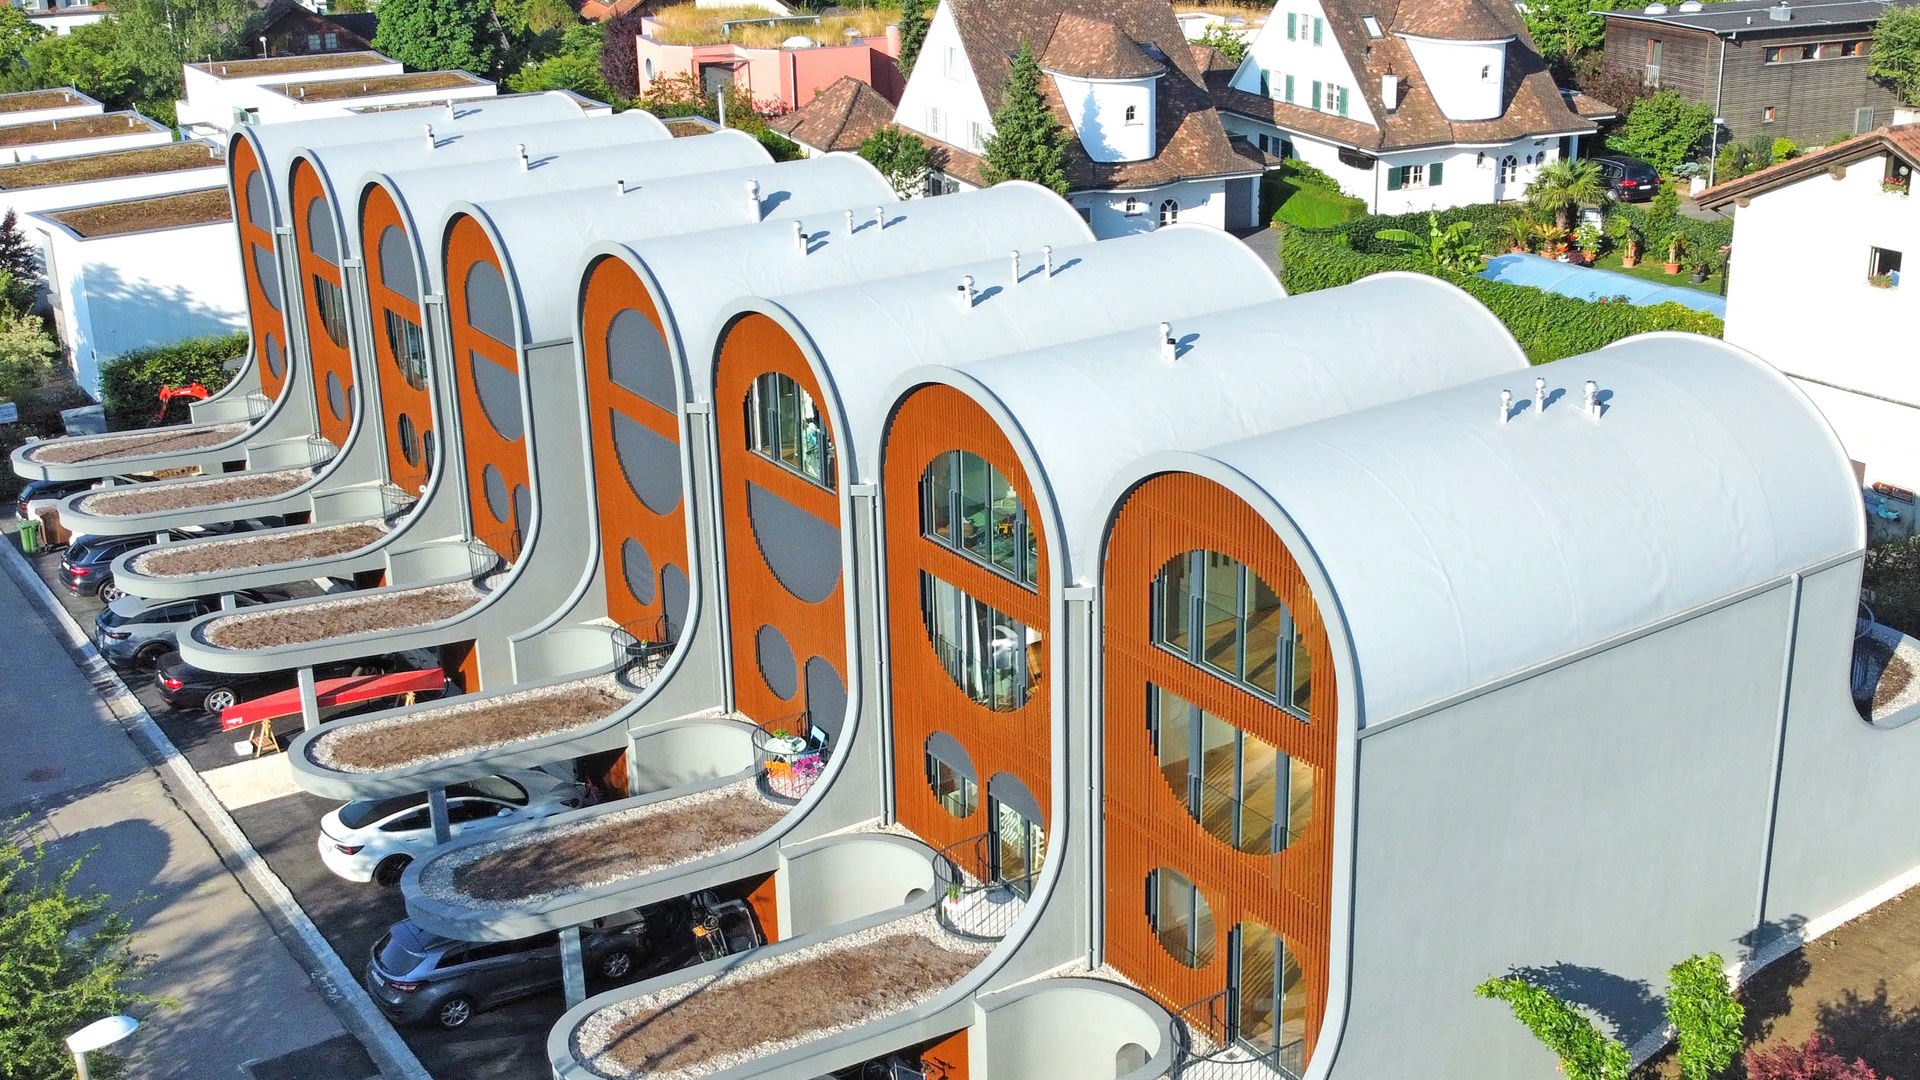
x=332, y=363
x=402, y=405
x=1148, y=825
x=495, y=520
x=257, y=246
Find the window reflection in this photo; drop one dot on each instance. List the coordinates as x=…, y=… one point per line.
x=785, y=427
x=331, y=304
x=1180, y=917
x=966, y=505
x=992, y=656
x=409, y=348
x=1240, y=788
x=1217, y=613
x=1271, y=1013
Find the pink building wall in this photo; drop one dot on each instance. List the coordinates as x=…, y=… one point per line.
x=780, y=80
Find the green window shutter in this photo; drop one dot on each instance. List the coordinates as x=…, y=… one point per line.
x=1394, y=177
x=1266, y=83
x=1433, y=175
x=1316, y=93
x=1343, y=101
x=1318, y=23
x=1292, y=26
x=1289, y=89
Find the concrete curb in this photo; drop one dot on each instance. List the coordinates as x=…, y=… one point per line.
x=356, y=1010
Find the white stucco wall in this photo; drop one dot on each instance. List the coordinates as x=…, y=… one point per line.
x=1467, y=78
x=114, y=294
x=1098, y=110
x=1273, y=53
x=1798, y=297
x=211, y=98
x=948, y=87
x=141, y=133
x=63, y=22
x=1202, y=202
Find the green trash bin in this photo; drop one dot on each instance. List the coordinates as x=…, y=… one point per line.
x=30, y=536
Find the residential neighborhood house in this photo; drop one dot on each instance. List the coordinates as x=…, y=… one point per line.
x=774, y=79
x=61, y=16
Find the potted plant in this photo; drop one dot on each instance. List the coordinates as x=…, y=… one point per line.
x=1676, y=249
x=1553, y=239
x=1881, y=281
x=1701, y=268
x=1517, y=234
x=1895, y=185
x=1625, y=236
x=1590, y=241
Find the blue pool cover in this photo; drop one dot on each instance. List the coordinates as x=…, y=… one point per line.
x=1587, y=283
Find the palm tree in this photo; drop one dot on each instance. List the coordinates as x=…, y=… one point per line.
x=1563, y=184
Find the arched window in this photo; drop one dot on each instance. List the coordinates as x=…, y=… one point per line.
x=951, y=775
x=785, y=427
x=1180, y=916
x=409, y=347
x=1133, y=114
x=967, y=506
x=1133, y=205
x=331, y=305
x=1486, y=72
x=1209, y=608
x=1241, y=789
x=1271, y=992
x=1019, y=838
x=1509, y=169
x=990, y=655
x=1169, y=211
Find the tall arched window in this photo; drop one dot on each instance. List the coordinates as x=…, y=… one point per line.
x=992, y=656
x=967, y=506
x=1271, y=996
x=785, y=427
x=1509, y=169
x=1180, y=917
x=409, y=347
x=1218, y=614
x=1169, y=211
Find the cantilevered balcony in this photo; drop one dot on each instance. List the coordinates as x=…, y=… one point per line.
x=276, y=484
x=217, y=436
x=1886, y=674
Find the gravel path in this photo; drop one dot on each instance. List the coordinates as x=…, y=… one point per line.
x=248, y=552
x=133, y=444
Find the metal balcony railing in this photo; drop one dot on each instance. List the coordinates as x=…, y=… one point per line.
x=789, y=756
x=642, y=647
x=494, y=552
x=319, y=451
x=980, y=904
x=1211, y=1045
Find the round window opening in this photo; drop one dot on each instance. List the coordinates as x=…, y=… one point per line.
x=409, y=439
x=951, y=776
x=1181, y=918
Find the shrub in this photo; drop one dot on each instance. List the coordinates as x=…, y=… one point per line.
x=130, y=384
x=1302, y=175
x=1584, y=1053
x=1663, y=130
x=1316, y=208
x=1784, y=150
x=1890, y=584
x=1813, y=1061
x=1705, y=1017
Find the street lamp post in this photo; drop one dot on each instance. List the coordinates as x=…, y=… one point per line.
x=1713, y=149
x=98, y=1036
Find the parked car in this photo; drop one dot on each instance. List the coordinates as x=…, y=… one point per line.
x=133, y=632
x=418, y=977
x=87, y=567
x=187, y=687
x=1630, y=179
x=44, y=490
x=375, y=839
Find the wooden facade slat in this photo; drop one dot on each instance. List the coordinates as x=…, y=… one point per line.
x=328, y=358
x=263, y=315
x=467, y=247
x=398, y=398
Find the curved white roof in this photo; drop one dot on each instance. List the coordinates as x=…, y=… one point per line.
x=1089, y=407
x=540, y=239
x=707, y=279
x=1461, y=550
x=868, y=335
x=277, y=144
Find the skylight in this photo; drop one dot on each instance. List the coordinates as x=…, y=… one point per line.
x=1372, y=25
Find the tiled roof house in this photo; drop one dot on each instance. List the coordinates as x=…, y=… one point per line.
x=1410, y=105
x=1149, y=146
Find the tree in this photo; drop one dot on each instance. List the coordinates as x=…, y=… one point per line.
x=130, y=384
x=1815, y=1060
x=17, y=255
x=431, y=35
x=1224, y=40
x=619, y=57
x=1564, y=30
x=901, y=157
x=568, y=71
x=913, y=34
x=1705, y=1016
x=27, y=353
x=1894, y=59
x=1450, y=248
x=16, y=33
x=64, y=962
x=1663, y=130
x=1564, y=184
x=1584, y=1053
x=1027, y=142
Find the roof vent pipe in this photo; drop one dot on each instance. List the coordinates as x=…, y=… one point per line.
x=450, y=114
x=620, y=187
x=1169, y=349
x=800, y=237
x=1539, y=396
x=431, y=145
x=521, y=149
x=880, y=218
x=1014, y=257
x=1046, y=253
x=1593, y=399
x=965, y=290
x=753, y=199
x=849, y=223
x=1506, y=405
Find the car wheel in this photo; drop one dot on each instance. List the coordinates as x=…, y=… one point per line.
x=220, y=699
x=616, y=965
x=454, y=1012
x=109, y=592
x=149, y=657
x=387, y=874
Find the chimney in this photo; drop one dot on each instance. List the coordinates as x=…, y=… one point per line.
x=1780, y=13
x=965, y=290
x=753, y=199
x=1169, y=348
x=1506, y=405
x=893, y=40
x=1390, y=90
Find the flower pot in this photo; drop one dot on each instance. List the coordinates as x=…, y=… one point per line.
x=1671, y=268
x=1628, y=262
x=1698, y=277
x=1520, y=251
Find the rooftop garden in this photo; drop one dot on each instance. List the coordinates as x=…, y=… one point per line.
x=146, y=161
x=194, y=494
x=29, y=100
x=682, y=128
x=770, y=1005
x=290, y=65
x=686, y=24
x=79, y=127
x=202, y=207
x=602, y=849
x=374, y=613
x=133, y=444
x=342, y=89
x=249, y=552
x=421, y=736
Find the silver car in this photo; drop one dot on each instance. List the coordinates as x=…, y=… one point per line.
x=134, y=632
x=417, y=977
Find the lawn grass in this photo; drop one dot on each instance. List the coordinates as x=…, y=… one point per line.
x=1653, y=270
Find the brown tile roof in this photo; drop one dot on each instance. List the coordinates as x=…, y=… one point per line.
x=1192, y=142
x=1534, y=105
x=1590, y=107
x=839, y=117
x=1452, y=20
x=1094, y=49
x=1902, y=141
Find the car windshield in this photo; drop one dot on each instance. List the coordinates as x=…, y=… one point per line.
x=400, y=953
x=359, y=815
x=497, y=787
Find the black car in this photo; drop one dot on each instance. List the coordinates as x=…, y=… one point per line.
x=135, y=633
x=187, y=687
x=87, y=567
x=1630, y=179
x=419, y=977
x=37, y=490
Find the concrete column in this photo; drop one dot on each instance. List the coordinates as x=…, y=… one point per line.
x=573, y=970
x=229, y=601
x=437, y=809
x=309, y=702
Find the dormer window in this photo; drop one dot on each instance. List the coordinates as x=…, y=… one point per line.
x=1372, y=24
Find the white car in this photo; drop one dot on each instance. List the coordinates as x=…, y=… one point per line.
x=375, y=839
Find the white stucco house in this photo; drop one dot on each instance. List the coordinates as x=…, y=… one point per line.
x=1420, y=106
x=1830, y=305
x=59, y=103
x=90, y=133
x=61, y=16
x=1147, y=149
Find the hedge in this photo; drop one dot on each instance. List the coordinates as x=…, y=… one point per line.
x=1315, y=208
x=130, y=384
x=1548, y=326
